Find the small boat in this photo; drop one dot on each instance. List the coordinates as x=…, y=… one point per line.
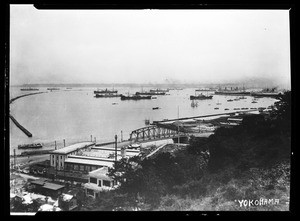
x=254, y=102
x=226, y=109
x=30, y=146
x=216, y=108
x=236, y=108
x=229, y=100
x=155, y=108
x=154, y=97
x=114, y=103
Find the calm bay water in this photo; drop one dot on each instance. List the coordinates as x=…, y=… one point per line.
x=75, y=114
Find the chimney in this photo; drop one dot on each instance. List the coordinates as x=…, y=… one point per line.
x=123, y=152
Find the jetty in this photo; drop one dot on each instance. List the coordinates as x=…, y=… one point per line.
x=20, y=126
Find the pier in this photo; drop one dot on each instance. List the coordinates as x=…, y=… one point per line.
x=20, y=126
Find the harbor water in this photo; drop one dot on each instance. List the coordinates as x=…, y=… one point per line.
x=75, y=114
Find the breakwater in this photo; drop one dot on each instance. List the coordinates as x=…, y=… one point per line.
x=20, y=126
x=15, y=121
x=24, y=95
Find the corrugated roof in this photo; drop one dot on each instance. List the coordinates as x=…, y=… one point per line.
x=72, y=148
x=90, y=162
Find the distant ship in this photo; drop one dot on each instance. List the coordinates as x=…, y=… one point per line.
x=107, y=95
x=106, y=91
x=200, y=97
x=151, y=92
x=52, y=88
x=29, y=89
x=205, y=89
x=159, y=90
x=236, y=91
x=134, y=97
x=29, y=146
x=267, y=93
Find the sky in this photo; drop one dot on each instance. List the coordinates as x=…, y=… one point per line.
x=148, y=46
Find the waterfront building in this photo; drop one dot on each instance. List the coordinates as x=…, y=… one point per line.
x=86, y=164
x=99, y=181
x=58, y=157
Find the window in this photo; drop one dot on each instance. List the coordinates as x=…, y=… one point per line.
x=90, y=192
x=106, y=183
x=81, y=167
x=75, y=167
x=99, y=183
x=93, y=180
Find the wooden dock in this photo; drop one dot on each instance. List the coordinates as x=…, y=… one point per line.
x=20, y=126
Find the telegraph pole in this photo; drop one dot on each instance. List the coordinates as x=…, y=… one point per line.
x=14, y=159
x=116, y=138
x=178, y=125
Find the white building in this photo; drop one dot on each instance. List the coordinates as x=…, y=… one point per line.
x=58, y=157
x=99, y=181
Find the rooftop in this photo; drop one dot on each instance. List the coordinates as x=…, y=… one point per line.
x=89, y=162
x=72, y=148
x=46, y=184
x=67, y=197
x=94, y=158
x=100, y=173
x=53, y=186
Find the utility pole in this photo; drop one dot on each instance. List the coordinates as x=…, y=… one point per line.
x=178, y=125
x=91, y=138
x=14, y=159
x=64, y=142
x=116, y=137
x=55, y=144
x=121, y=135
